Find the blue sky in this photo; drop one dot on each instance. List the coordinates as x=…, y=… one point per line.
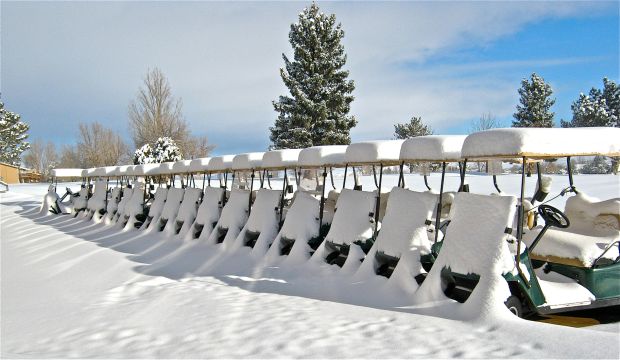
x=448, y=62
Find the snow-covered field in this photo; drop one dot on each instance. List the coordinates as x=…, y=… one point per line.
x=72, y=288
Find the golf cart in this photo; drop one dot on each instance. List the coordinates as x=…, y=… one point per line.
x=570, y=263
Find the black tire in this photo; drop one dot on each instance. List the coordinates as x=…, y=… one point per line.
x=513, y=303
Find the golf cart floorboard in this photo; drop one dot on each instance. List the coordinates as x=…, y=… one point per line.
x=546, y=309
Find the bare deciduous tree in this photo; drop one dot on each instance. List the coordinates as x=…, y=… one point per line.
x=99, y=146
x=485, y=122
x=197, y=147
x=69, y=157
x=41, y=157
x=156, y=113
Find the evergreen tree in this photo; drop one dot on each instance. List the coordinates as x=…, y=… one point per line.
x=316, y=113
x=598, y=165
x=598, y=108
x=12, y=136
x=535, y=104
x=413, y=128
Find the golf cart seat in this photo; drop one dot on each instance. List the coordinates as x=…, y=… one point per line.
x=262, y=226
x=170, y=210
x=208, y=213
x=329, y=209
x=97, y=203
x=120, y=210
x=134, y=208
x=591, y=217
x=80, y=200
x=299, y=236
x=156, y=207
x=593, y=232
x=351, y=229
x=475, y=249
x=187, y=211
x=404, y=233
x=115, y=198
x=234, y=215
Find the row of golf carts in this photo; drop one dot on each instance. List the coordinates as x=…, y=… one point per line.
x=290, y=204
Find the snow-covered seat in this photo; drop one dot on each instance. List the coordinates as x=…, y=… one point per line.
x=187, y=211
x=156, y=207
x=120, y=210
x=475, y=243
x=97, y=202
x=133, y=215
x=234, y=215
x=50, y=201
x=403, y=235
x=208, y=214
x=594, y=226
x=299, y=236
x=351, y=231
x=115, y=198
x=80, y=200
x=261, y=227
x=170, y=210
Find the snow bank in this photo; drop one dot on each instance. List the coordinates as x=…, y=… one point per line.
x=475, y=243
x=187, y=211
x=262, y=224
x=433, y=148
x=386, y=151
x=542, y=142
x=233, y=217
x=208, y=214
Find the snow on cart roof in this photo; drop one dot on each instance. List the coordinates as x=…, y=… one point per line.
x=181, y=166
x=318, y=156
x=433, y=148
x=368, y=152
x=67, y=173
x=542, y=143
x=220, y=163
x=248, y=161
x=199, y=165
x=164, y=168
x=147, y=169
x=280, y=159
x=125, y=170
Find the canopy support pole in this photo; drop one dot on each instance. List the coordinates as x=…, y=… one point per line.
x=322, y=203
x=378, y=202
x=438, y=214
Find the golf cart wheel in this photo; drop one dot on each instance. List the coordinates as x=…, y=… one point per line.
x=513, y=303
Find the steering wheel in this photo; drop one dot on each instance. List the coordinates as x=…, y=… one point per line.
x=553, y=216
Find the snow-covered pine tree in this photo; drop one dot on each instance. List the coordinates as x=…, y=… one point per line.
x=535, y=104
x=588, y=110
x=611, y=94
x=598, y=165
x=166, y=150
x=12, y=136
x=316, y=113
x=413, y=128
x=143, y=155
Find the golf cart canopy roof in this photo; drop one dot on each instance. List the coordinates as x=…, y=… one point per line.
x=146, y=169
x=164, y=168
x=385, y=152
x=432, y=148
x=199, y=165
x=319, y=156
x=125, y=170
x=181, y=166
x=541, y=143
x=221, y=163
x=281, y=159
x=248, y=161
x=67, y=173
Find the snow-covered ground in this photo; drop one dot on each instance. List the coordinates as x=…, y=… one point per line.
x=72, y=288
